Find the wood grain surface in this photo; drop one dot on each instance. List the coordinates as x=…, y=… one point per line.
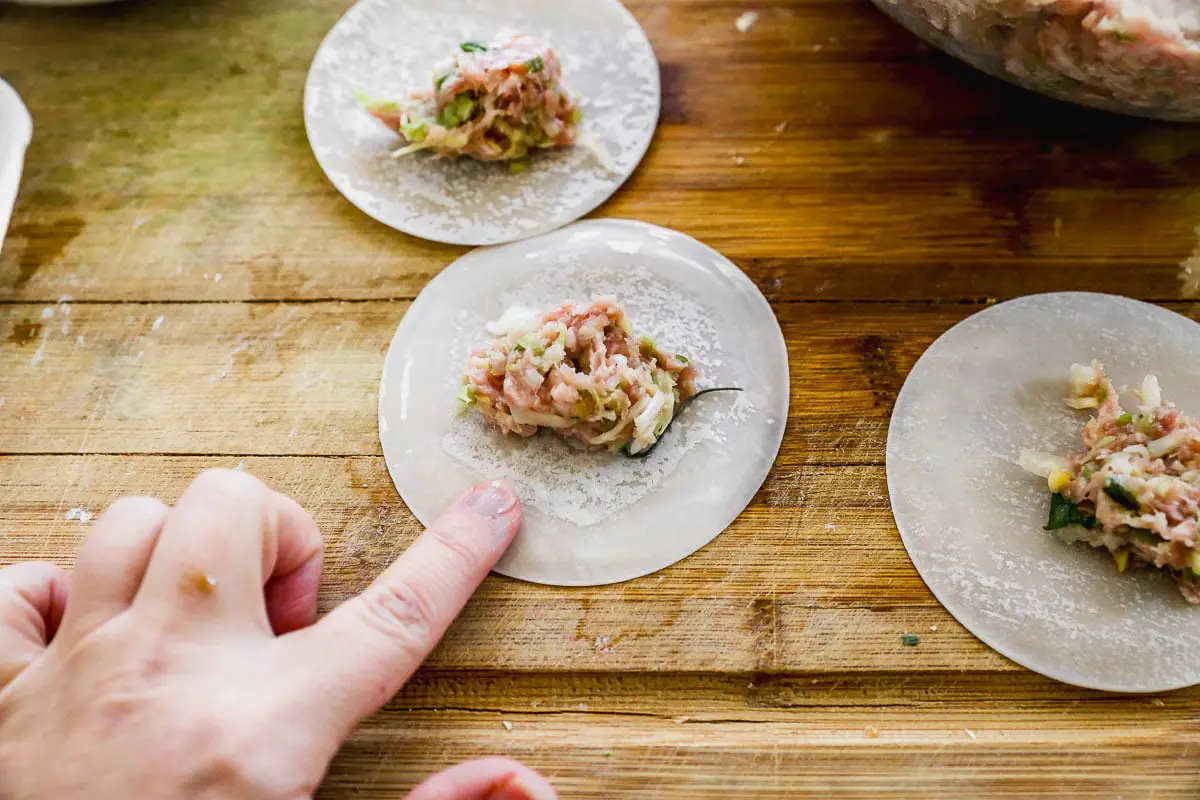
x=181, y=288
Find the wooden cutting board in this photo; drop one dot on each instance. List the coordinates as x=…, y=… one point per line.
x=183, y=289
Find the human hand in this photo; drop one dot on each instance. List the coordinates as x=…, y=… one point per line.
x=182, y=658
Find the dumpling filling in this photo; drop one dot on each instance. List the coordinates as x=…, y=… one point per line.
x=581, y=372
x=493, y=101
x=1136, y=489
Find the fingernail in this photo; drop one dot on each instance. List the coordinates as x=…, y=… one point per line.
x=492, y=501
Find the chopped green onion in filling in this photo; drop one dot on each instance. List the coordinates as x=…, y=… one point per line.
x=1120, y=495
x=1064, y=514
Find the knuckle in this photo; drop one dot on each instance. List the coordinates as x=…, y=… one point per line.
x=464, y=551
x=227, y=760
x=243, y=767
x=138, y=507
x=398, y=612
x=231, y=483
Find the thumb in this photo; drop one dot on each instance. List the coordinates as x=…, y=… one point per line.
x=367, y=648
x=488, y=779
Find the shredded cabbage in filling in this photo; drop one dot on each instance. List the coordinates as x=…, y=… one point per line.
x=1136, y=489
x=579, y=371
x=493, y=101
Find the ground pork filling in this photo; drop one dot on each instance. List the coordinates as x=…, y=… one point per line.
x=492, y=101
x=581, y=372
x=1136, y=489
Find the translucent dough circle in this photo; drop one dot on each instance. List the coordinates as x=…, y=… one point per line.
x=972, y=519
x=388, y=48
x=593, y=518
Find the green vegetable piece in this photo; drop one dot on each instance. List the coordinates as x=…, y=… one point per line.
x=1120, y=495
x=535, y=64
x=415, y=131
x=532, y=343
x=473, y=47
x=1125, y=419
x=1065, y=514
x=1123, y=36
x=682, y=359
x=1145, y=536
x=678, y=411
x=465, y=397
x=517, y=167
x=458, y=111
x=910, y=640
x=437, y=85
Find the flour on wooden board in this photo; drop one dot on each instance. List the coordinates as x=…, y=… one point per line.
x=80, y=514
x=550, y=474
x=746, y=21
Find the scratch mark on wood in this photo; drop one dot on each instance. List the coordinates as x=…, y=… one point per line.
x=881, y=373
x=764, y=625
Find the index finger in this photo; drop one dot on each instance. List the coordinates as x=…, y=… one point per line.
x=366, y=649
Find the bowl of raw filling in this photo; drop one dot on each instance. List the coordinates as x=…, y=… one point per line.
x=60, y=2
x=1137, y=57
x=16, y=129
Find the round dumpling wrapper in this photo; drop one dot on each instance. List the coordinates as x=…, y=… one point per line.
x=593, y=518
x=388, y=48
x=972, y=519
